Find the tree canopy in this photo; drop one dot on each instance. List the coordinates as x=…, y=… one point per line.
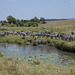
x=11, y=19
x=35, y=19
x=42, y=19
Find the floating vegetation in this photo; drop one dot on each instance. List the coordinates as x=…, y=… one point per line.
x=35, y=58
x=29, y=53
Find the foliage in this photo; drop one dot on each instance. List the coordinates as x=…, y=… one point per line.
x=35, y=19
x=34, y=43
x=43, y=22
x=11, y=19
x=1, y=55
x=12, y=22
x=32, y=24
x=42, y=19
x=3, y=24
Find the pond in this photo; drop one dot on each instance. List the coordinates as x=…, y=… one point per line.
x=42, y=52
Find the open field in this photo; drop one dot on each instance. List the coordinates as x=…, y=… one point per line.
x=65, y=26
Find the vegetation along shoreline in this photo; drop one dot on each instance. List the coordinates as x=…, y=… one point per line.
x=38, y=38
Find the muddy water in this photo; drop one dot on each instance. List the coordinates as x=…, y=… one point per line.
x=41, y=52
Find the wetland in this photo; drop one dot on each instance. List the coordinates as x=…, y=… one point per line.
x=29, y=53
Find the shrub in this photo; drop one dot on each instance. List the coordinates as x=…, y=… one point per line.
x=1, y=55
x=10, y=40
x=3, y=24
x=43, y=22
x=31, y=24
x=12, y=25
x=27, y=43
x=34, y=43
x=19, y=41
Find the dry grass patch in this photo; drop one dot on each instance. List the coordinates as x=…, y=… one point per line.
x=15, y=67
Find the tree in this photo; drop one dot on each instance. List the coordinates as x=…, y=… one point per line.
x=25, y=21
x=18, y=20
x=22, y=20
x=35, y=19
x=11, y=19
x=42, y=19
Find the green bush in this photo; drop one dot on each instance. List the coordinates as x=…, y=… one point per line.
x=34, y=43
x=27, y=43
x=12, y=25
x=3, y=24
x=31, y=24
x=43, y=22
x=10, y=40
x=1, y=55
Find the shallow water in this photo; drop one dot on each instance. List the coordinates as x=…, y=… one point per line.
x=30, y=53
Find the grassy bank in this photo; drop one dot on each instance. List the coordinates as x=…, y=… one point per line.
x=9, y=66
x=60, y=44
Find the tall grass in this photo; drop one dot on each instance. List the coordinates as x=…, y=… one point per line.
x=15, y=67
x=60, y=44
